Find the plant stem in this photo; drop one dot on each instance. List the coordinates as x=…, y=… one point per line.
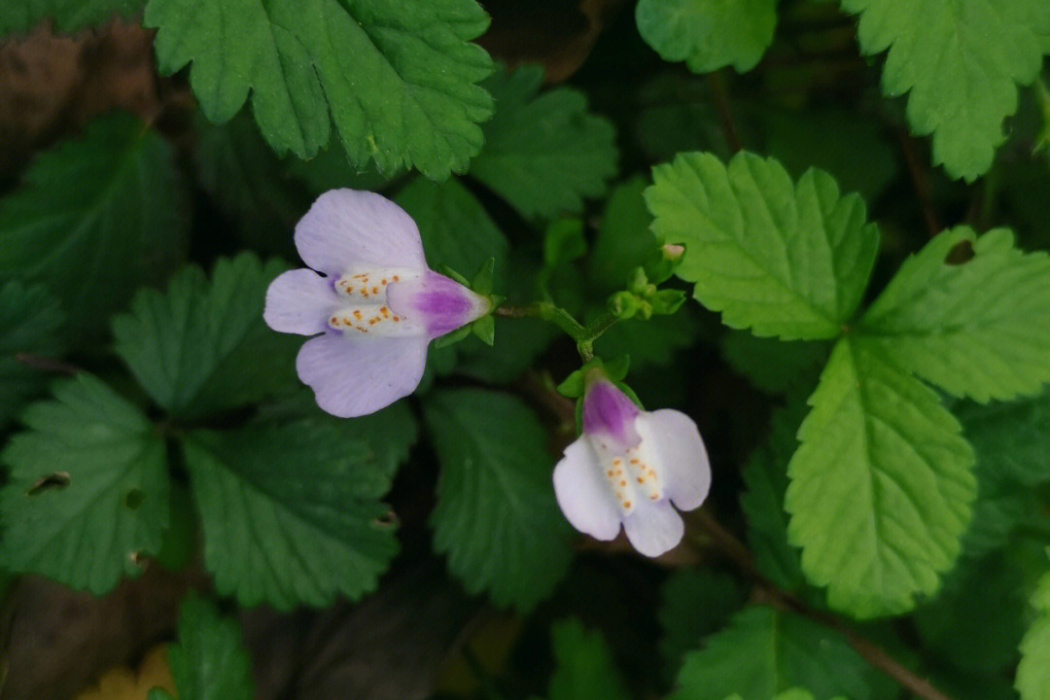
x=736, y=552
x=548, y=311
x=46, y=364
x=920, y=181
x=725, y=116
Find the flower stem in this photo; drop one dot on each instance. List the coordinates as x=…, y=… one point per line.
x=548, y=311
x=734, y=550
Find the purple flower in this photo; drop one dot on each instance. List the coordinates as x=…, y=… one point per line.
x=628, y=467
x=374, y=307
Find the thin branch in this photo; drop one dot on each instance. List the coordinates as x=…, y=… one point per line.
x=920, y=181
x=725, y=116
x=734, y=550
x=47, y=364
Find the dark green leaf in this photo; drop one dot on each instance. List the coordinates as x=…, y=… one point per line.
x=202, y=347
x=30, y=320
x=585, y=666
x=19, y=16
x=87, y=495
x=96, y=218
x=496, y=517
x=694, y=604
x=290, y=508
x=209, y=661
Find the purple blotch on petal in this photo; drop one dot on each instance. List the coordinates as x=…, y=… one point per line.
x=440, y=303
x=608, y=412
x=352, y=229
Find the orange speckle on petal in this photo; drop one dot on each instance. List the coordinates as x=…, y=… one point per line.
x=617, y=462
x=357, y=314
x=641, y=480
x=627, y=504
x=375, y=289
x=635, y=460
x=397, y=278
x=654, y=497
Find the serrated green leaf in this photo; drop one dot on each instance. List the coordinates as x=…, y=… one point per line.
x=209, y=659
x=978, y=619
x=544, y=152
x=623, y=241
x=693, y=604
x=766, y=651
x=249, y=183
x=201, y=347
x=960, y=61
x=781, y=259
x=853, y=147
x=1033, y=673
x=19, y=16
x=496, y=517
x=1011, y=439
x=88, y=476
x=769, y=364
x=290, y=509
x=881, y=485
x=398, y=78
x=708, y=35
x=30, y=319
x=765, y=476
x=96, y=218
x=968, y=314
x=792, y=694
x=585, y=666
x=455, y=229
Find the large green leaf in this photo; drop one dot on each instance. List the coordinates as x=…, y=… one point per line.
x=87, y=494
x=397, y=77
x=961, y=62
x=969, y=314
x=96, y=218
x=708, y=34
x=30, y=319
x=779, y=258
x=623, y=241
x=496, y=517
x=765, y=651
x=881, y=485
x=585, y=666
x=1012, y=439
x=19, y=16
x=1033, y=673
x=290, y=508
x=543, y=152
x=209, y=659
x=201, y=347
x=693, y=604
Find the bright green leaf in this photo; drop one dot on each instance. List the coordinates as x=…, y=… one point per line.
x=961, y=62
x=496, y=517
x=881, y=486
x=693, y=604
x=87, y=494
x=290, y=508
x=1033, y=673
x=544, y=153
x=765, y=651
x=209, y=659
x=708, y=34
x=781, y=259
x=398, y=78
x=585, y=666
x=19, y=16
x=201, y=347
x=96, y=218
x=968, y=314
x=30, y=319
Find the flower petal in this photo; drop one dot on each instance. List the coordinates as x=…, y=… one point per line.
x=355, y=376
x=583, y=495
x=654, y=527
x=673, y=439
x=352, y=229
x=299, y=301
x=609, y=415
x=440, y=303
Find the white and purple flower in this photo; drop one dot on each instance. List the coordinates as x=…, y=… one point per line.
x=374, y=307
x=628, y=467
